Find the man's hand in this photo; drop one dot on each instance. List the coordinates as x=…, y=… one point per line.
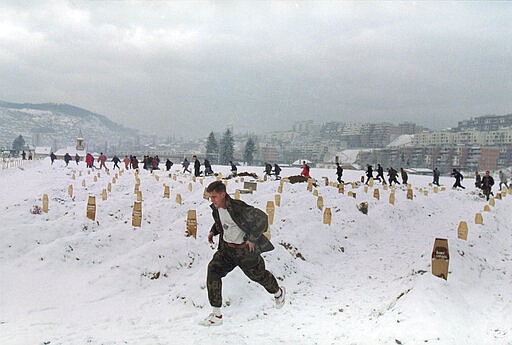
x=250, y=245
x=210, y=237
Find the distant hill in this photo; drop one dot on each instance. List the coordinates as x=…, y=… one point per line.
x=54, y=124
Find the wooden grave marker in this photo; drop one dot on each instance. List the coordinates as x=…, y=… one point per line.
x=104, y=194
x=440, y=258
x=70, y=190
x=462, y=230
x=392, y=198
x=109, y=187
x=270, y=212
x=409, y=194
x=45, y=203
x=91, y=207
x=167, y=192
x=376, y=193
x=137, y=214
x=178, y=198
x=320, y=203
x=327, y=216
x=192, y=223
x=487, y=208
x=479, y=219
x=277, y=200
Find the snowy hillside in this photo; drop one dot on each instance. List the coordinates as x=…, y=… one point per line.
x=364, y=279
x=49, y=123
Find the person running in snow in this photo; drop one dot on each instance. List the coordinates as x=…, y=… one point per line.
x=233, y=168
x=102, y=159
x=116, y=160
x=487, y=183
x=339, y=172
x=369, y=173
x=126, y=161
x=168, y=164
x=268, y=169
x=135, y=163
x=405, y=177
x=241, y=241
x=458, y=177
x=436, y=173
x=503, y=179
x=392, y=173
x=305, y=169
x=277, y=171
x=380, y=174
x=89, y=160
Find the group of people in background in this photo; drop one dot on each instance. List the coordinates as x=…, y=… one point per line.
x=391, y=172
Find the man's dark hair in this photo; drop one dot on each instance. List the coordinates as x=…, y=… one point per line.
x=216, y=186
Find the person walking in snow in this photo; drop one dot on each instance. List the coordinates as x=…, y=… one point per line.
x=339, y=172
x=487, y=183
x=503, y=179
x=185, y=165
x=207, y=168
x=67, y=158
x=458, y=177
x=405, y=177
x=102, y=159
x=436, y=173
x=197, y=166
x=52, y=157
x=478, y=180
x=240, y=228
x=77, y=158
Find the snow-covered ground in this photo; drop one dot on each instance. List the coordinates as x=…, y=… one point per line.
x=365, y=279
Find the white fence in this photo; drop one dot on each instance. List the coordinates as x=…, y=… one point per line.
x=15, y=163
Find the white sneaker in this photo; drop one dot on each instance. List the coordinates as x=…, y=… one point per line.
x=280, y=300
x=211, y=320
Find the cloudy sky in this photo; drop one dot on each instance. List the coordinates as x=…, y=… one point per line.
x=191, y=67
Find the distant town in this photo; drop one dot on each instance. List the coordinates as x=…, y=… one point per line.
x=479, y=143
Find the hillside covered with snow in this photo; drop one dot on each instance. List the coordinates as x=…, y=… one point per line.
x=364, y=279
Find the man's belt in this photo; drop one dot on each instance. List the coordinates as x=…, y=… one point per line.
x=235, y=245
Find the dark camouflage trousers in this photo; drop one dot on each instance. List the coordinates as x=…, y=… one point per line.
x=225, y=260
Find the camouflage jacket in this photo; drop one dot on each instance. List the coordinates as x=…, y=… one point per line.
x=251, y=220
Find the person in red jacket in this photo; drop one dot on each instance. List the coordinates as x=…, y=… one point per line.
x=89, y=160
x=102, y=159
x=126, y=161
x=305, y=169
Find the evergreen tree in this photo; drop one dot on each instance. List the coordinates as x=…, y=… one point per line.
x=18, y=143
x=212, y=149
x=250, y=148
x=227, y=147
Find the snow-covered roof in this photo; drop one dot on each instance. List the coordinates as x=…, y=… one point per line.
x=402, y=140
x=43, y=150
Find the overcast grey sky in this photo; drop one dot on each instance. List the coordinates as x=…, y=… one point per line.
x=193, y=67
